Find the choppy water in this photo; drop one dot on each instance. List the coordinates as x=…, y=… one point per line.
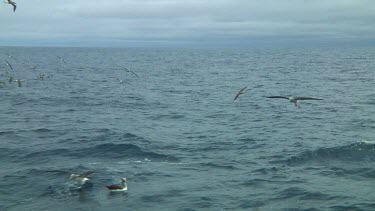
x=179, y=137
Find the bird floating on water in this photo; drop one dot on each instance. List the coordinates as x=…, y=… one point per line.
x=81, y=178
x=61, y=59
x=122, y=187
x=9, y=64
x=10, y=79
x=242, y=91
x=12, y=3
x=295, y=100
x=128, y=70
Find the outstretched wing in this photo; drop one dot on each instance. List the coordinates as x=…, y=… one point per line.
x=14, y=6
x=307, y=98
x=281, y=97
x=86, y=174
x=134, y=73
x=128, y=70
x=240, y=92
x=9, y=64
x=62, y=59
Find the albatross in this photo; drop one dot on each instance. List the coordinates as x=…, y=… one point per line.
x=10, y=56
x=242, y=91
x=122, y=187
x=12, y=3
x=128, y=70
x=81, y=178
x=295, y=100
x=18, y=82
x=9, y=64
x=61, y=59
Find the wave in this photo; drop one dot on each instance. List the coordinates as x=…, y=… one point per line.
x=301, y=194
x=106, y=151
x=9, y=153
x=219, y=166
x=361, y=206
x=356, y=152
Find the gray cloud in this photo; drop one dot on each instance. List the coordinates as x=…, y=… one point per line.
x=187, y=21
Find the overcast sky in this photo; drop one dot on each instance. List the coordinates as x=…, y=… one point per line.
x=222, y=23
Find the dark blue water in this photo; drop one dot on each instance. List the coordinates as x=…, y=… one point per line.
x=177, y=134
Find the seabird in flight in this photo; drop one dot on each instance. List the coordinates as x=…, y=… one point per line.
x=18, y=82
x=62, y=59
x=295, y=100
x=81, y=178
x=10, y=56
x=122, y=187
x=128, y=70
x=242, y=91
x=12, y=3
x=9, y=64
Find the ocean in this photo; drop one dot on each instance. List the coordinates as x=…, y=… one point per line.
x=178, y=136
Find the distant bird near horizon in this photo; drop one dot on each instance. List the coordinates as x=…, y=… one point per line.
x=295, y=100
x=61, y=59
x=10, y=56
x=43, y=76
x=9, y=64
x=128, y=70
x=122, y=187
x=242, y=91
x=12, y=3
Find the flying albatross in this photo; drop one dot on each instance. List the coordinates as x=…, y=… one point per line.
x=12, y=3
x=128, y=70
x=18, y=82
x=61, y=59
x=9, y=64
x=295, y=100
x=122, y=187
x=81, y=178
x=242, y=91
x=10, y=56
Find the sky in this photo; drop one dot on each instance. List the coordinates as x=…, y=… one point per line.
x=187, y=23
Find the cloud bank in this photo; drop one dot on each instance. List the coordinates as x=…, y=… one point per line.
x=189, y=22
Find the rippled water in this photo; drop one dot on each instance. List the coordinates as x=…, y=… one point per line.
x=177, y=134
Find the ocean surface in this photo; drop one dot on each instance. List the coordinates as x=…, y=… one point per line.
x=178, y=136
